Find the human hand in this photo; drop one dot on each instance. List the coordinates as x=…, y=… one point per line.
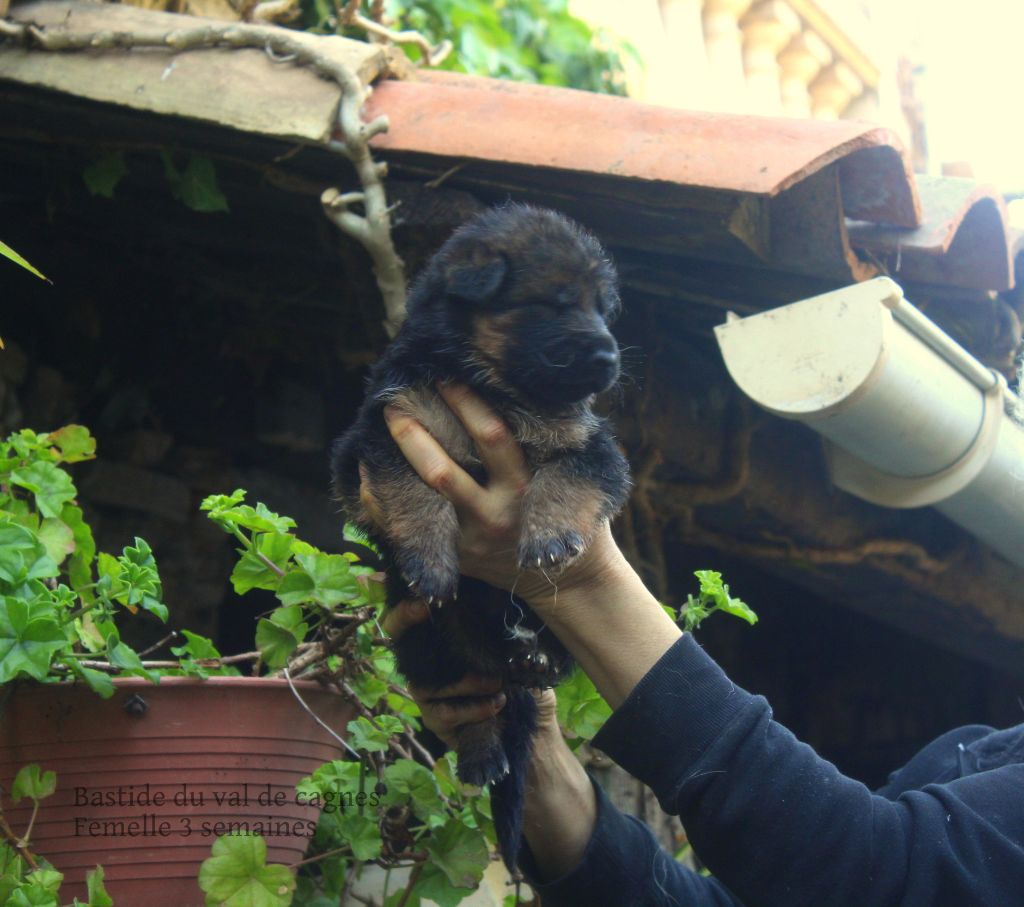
x=476, y=699
x=490, y=515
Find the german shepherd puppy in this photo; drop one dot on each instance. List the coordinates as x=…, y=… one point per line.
x=516, y=304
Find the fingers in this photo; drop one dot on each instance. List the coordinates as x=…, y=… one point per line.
x=404, y=615
x=429, y=459
x=367, y=499
x=501, y=454
x=472, y=700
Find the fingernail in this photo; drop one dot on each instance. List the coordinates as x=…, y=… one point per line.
x=499, y=701
x=389, y=413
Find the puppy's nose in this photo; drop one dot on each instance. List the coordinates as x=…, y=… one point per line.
x=605, y=355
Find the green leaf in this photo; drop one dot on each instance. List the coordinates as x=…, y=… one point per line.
x=368, y=688
x=276, y=643
x=22, y=556
x=362, y=834
x=198, y=187
x=407, y=779
x=714, y=596
x=433, y=885
x=33, y=782
x=196, y=646
x=98, y=896
x=75, y=443
x=27, y=643
x=57, y=537
x=51, y=485
x=373, y=737
x=323, y=578
x=581, y=710
x=126, y=659
x=98, y=681
x=459, y=852
x=80, y=566
x=7, y=252
x=237, y=875
x=252, y=571
x=102, y=176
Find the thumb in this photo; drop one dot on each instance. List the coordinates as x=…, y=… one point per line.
x=399, y=618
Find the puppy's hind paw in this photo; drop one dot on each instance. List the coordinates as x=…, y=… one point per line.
x=432, y=585
x=485, y=769
x=553, y=551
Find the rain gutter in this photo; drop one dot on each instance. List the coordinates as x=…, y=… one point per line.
x=910, y=418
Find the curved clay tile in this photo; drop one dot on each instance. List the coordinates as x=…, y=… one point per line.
x=460, y=117
x=964, y=239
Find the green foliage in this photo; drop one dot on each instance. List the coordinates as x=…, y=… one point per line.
x=581, y=710
x=525, y=40
x=21, y=885
x=237, y=875
x=370, y=813
x=102, y=175
x=714, y=596
x=59, y=599
x=195, y=186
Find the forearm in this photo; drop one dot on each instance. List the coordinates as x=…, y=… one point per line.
x=560, y=807
x=610, y=622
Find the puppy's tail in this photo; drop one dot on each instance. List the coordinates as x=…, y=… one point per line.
x=499, y=752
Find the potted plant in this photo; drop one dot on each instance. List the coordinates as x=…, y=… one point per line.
x=141, y=765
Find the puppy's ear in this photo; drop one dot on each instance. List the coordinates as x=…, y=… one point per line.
x=476, y=275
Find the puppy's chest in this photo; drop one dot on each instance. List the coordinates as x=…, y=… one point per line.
x=540, y=438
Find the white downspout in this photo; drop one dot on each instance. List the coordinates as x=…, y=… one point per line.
x=910, y=417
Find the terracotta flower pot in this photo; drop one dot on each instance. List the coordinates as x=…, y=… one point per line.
x=142, y=785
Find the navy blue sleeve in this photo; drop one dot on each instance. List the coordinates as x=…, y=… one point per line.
x=782, y=827
x=624, y=864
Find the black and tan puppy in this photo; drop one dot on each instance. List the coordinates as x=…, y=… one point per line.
x=516, y=304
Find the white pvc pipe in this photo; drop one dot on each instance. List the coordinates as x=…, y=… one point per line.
x=910, y=417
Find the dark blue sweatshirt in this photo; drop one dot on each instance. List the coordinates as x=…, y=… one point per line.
x=778, y=826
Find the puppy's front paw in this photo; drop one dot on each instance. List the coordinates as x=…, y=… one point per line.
x=532, y=669
x=538, y=551
x=430, y=582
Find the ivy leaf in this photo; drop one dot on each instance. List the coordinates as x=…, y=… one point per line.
x=33, y=782
x=51, y=485
x=237, y=875
x=102, y=176
x=27, y=643
x=75, y=443
x=459, y=852
x=362, y=834
x=196, y=188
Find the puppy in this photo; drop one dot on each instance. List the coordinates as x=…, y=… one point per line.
x=516, y=304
